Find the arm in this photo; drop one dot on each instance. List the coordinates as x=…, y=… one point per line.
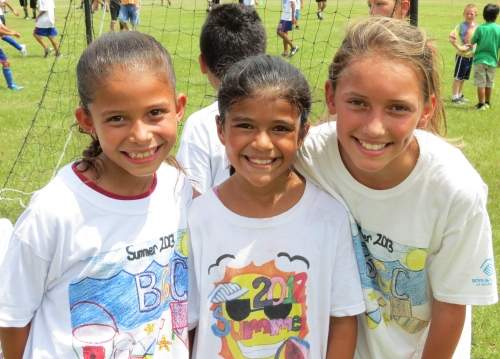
x=11, y=8
x=447, y=321
x=4, y=30
x=342, y=337
x=191, y=334
x=14, y=341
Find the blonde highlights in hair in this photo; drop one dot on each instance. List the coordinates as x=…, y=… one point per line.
x=392, y=39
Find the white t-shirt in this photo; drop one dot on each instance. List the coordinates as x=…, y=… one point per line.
x=97, y=275
x=47, y=20
x=264, y=286
x=429, y=236
x=286, y=9
x=200, y=151
x=249, y=2
x=5, y=232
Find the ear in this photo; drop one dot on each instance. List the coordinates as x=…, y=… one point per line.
x=84, y=120
x=180, y=106
x=203, y=64
x=405, y=8
x=427, y=112
x=330, y=97
x=220, y=129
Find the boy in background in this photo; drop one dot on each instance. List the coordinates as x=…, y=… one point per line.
x=287, y=21
x=129, y=12
x=45, y=26
x=460, y=38
x=231, y=32
x=487, y=41
x=7, y=72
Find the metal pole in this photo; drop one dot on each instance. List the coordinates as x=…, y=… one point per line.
x=414, y=12
x=87, y=6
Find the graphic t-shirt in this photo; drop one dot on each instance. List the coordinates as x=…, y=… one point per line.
x=266, y=287
x=429, y=236
x=100, y=277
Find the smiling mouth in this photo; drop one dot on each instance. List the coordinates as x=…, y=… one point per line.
x=371, y=146
x=142, y=155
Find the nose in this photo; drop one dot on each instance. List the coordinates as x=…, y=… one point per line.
x=140, y=132
x=262, y=141
x=375, y=125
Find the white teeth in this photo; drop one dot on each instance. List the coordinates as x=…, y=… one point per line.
x=372, y=146
x=260, y=162
x=140, y=155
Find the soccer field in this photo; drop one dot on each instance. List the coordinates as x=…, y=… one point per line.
x=37, y=135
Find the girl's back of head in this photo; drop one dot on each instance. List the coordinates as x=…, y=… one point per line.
x=386, y=38
x=264, y=74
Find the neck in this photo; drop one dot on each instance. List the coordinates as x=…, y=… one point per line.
x=248, y=200
x=112, y=179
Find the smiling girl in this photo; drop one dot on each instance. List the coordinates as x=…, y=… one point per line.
x=96, y=266
x=273, y=270
x=421, y=229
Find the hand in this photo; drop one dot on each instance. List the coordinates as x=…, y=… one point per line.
x=16, y=34
x=452, y=37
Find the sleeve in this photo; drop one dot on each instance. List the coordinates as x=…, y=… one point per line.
x=194, y=158
x=462, y=271
x=347, y=296
x=23, y=274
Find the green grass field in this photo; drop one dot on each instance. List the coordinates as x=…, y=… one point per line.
x=39, y=118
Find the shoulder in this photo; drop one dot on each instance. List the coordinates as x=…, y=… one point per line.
x=324, y=207
x=321, y=136
x=174, y=182
x=59, y=194
x=202, y=119
x=447, y=169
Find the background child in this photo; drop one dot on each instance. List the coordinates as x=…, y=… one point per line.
x=273, y=267
x=98, y=259
x=231, y=32
x=287, y=21
x=7, y=72
x=321, y=7
x=463, y=59
x=422, y=233
x=397, y=9
x=129, y=12
x=19, y=47
x=487, y=41
x=45, y=26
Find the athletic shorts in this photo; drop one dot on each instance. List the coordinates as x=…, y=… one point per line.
x=284, y=26
x=297, y=14
x=114, y=10
x=484, y=75
x=45, y=31
x=129, y=13
x=463, y=66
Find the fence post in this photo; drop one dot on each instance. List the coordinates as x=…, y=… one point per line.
x=89, y=30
